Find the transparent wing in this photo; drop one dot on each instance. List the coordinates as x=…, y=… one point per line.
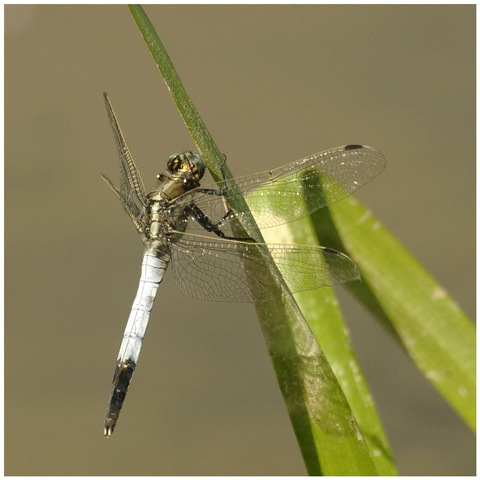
x=297, y=189
x=131, y=192
x=215, y=269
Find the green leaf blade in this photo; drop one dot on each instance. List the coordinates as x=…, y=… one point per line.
x=321, y=310
x=427, y=322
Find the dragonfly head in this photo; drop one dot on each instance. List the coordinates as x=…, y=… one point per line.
x=180, y=163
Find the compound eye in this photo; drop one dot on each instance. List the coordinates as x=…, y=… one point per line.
x=175, y=162
x=197, y=166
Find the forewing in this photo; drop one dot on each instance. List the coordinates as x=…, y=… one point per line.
x=131, y=192
x=296, y=189
x=216, y=269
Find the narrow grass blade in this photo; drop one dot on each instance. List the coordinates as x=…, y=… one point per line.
x=326, y=430
x=200, y=135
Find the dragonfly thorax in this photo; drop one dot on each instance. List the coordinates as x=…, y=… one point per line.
x=162, y=219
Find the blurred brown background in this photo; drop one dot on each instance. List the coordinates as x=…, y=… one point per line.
x=273, y=83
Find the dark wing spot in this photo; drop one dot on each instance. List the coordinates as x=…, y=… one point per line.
x=331, y=250
x=353, y=147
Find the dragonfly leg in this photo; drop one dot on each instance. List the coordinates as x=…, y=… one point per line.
x=209, y=226
x=212, y=191
x=203, y=219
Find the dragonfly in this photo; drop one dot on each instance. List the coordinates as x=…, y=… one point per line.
x=195, y=229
